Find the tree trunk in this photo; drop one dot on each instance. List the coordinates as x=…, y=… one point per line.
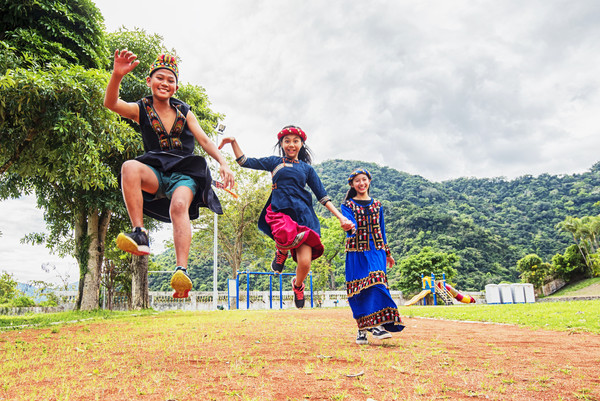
x=94, y=242
x=139, y=282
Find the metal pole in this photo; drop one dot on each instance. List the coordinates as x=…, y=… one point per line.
x=311, y=291
x=248, y=290
x=220, y=128
x=215, y=256
x=271, y=292
x=237, y=291
x=280, y=292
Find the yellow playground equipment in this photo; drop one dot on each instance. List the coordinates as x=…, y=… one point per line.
x=439, y=288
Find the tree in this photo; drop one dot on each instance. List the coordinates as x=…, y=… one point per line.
x=569, y=265
x=323, y=268
x=63, y=144
x=57, y=32
x=239, y=239
x=8, y=287
x=426, y=262
x=533, y=270
x=585, y=232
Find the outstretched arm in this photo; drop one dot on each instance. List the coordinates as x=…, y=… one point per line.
x=125, y=62
x=210, y=148
x=237, y=151
x=346, y=224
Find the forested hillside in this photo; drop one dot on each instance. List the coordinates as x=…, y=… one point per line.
x=489, y=223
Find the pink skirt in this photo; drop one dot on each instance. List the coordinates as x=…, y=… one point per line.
x=289, y=235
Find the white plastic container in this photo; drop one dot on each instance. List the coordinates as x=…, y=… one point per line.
x=529, y=293
x=492, y=294
x=518, y=293
x=505, y=293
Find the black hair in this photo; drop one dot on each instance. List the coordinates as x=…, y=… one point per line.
x=304, y=154
x=352, y=192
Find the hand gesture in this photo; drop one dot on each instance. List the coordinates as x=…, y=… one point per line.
x=346, y=224
x=390, y=261
x=125, y=62
x=226, y=176
x=225, y=141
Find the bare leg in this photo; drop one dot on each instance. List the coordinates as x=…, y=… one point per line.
x=304, y=259
x=182, y=229
x=135, y=178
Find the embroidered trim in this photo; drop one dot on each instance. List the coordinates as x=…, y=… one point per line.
x=167, y=141
x=324, y=200
x=241, y=160
x=294, y=243
x=274, y=186
x=387, y=315
x=280, y=166
x=367, y=225
x=374, y=278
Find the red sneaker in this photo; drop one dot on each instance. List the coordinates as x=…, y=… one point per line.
x=298, y=294
x=278, y=262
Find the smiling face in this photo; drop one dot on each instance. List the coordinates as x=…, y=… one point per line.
x=361, y=184
x=162, y=83
x=291, y=145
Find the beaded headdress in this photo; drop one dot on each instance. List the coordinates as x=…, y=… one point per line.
x=292, y=130
x=166, y=62
x=357, y=172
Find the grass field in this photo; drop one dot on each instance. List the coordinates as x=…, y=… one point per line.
x=305, y=355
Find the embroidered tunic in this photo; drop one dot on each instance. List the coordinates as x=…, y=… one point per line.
x=366, y=267
x=289, y=194
x=171, y=152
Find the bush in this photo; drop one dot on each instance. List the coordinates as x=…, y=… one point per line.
x=22, y=301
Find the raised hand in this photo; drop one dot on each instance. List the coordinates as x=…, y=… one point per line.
x=125, y=62
x=225, y=141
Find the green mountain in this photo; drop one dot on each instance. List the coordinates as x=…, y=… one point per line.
x=490, y=223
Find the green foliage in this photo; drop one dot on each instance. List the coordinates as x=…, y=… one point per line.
x=570, y=265
x=57, y=32
x=489, y=223
x=8, y=287
x=324, y=268
x=408, y=272
x=585, y=232
x=22, y=301
x=533, y=270
x=241, y=244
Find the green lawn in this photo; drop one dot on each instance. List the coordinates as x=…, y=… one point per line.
x=561, y=316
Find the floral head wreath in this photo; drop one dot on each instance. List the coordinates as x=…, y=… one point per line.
x=357, y=172
x=291, y=130
x=165, y=62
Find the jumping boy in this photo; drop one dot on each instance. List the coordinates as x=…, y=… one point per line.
x=168, y=182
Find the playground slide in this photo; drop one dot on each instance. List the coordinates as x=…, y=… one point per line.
x=467, y=299
x=417, y=297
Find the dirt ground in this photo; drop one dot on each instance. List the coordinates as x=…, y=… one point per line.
x=294, y=355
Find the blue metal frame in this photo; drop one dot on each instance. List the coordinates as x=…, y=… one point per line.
x=270, y=274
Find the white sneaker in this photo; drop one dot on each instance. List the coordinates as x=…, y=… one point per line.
x=361, y=337
x=380, y=333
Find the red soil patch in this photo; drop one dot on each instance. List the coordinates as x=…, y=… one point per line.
x=294, y=355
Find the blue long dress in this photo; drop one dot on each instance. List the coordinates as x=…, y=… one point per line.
x=366, y=267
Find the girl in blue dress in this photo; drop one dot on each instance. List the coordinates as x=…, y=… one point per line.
x=367, y=258
x=288, y=216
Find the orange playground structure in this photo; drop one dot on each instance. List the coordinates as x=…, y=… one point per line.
x=439, y=289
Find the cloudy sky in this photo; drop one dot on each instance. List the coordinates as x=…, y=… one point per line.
x=441, y=89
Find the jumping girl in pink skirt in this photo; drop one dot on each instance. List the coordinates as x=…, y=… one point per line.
x=288, y=217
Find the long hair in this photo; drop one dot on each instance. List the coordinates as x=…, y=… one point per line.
x=352, y=192
x=304, y=154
